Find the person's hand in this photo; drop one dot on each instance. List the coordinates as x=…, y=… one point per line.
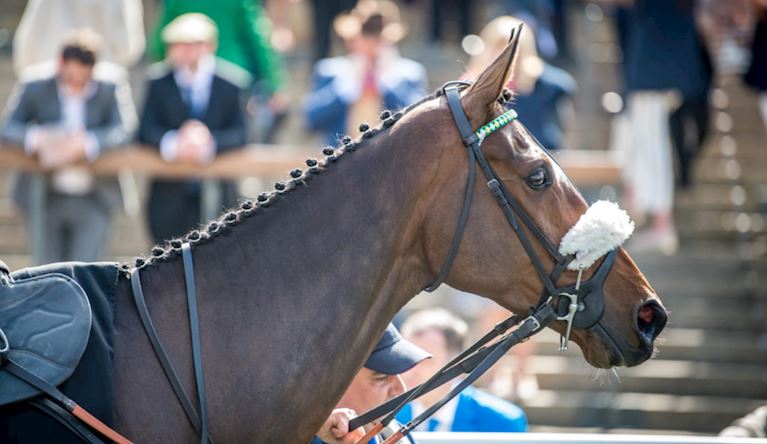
x=336, y=428
x=279, y=102
x=195, y=143
x=60, y=149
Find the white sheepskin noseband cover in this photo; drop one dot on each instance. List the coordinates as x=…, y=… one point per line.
x=603, y=227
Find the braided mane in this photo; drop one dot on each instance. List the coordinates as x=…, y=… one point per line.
x=236, y=216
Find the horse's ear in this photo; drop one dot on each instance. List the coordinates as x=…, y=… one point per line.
x=488, y=87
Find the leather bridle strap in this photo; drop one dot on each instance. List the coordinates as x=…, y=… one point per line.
x=464, y=217
x=162, y=354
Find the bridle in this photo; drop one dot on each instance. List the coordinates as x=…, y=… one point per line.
x=584, y=298
x=580, y=305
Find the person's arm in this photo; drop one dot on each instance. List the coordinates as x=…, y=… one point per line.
x=17, y=120
x=121, y=121
x=151, y=129
x=404, y=84
x=330, y=97
x=232, y=135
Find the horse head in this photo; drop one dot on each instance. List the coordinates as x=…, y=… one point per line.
x=615, y=314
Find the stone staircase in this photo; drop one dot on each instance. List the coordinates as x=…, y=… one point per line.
x=712, y=362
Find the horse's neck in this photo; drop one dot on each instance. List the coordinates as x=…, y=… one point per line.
x=299, y=293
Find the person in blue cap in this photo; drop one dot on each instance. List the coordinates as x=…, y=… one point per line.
x=377, y=381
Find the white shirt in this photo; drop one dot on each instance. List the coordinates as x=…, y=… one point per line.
x=70, y=180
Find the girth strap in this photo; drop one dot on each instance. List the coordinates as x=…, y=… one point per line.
x=162, y=354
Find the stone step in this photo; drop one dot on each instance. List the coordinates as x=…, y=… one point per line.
x=718, y=196
x=700, y=414
x=655, y=376
x=748, y=224
x=683, y=344
x=728, y=171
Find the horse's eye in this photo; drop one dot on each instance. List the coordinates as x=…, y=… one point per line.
x=538, y=179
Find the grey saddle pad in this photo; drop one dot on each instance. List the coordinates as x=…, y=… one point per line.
x=47, y=320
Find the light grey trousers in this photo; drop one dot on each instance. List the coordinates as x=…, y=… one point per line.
x=76, y=228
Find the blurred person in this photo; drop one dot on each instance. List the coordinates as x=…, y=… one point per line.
x=64, y=120
x=544, y=18
x=442, y=334
x=355, y=88
x=323, y=13
x=244, y=39
x=665, y=66
x=756, y=75
x=37, y=40
x=191, y=114
x=542, y=92
x=455, y=12
x=377, y=381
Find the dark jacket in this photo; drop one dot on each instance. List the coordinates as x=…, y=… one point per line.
x=174, y=206
x=665, y=50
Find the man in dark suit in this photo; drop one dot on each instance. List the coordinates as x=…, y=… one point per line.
x=192, y=112
x=63, y=120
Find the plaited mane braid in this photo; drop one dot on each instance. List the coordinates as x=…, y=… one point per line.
x=247, y=208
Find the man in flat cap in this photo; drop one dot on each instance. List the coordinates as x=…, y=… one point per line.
x=192, y=113
x=377, y=381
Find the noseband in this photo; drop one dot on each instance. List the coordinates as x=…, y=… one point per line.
x=580, y=305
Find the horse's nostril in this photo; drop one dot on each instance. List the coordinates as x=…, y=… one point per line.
x=651, y=318
x=646, y=314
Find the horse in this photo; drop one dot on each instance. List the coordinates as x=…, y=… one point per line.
x=295, y=288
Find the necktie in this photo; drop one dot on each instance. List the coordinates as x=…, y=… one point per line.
x=186, y=96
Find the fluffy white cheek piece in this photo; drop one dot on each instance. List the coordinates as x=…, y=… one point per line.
x=603, y=227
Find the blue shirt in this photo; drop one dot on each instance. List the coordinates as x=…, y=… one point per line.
x=478, y=411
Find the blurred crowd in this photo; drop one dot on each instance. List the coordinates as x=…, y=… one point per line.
x=214, y=70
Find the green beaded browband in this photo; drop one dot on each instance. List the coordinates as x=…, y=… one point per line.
x=496, y=124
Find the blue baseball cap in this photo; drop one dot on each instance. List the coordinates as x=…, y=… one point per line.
x=394, y=355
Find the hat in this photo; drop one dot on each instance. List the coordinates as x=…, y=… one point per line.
x=394, y=355
x=190, y=28
x=376, y=18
